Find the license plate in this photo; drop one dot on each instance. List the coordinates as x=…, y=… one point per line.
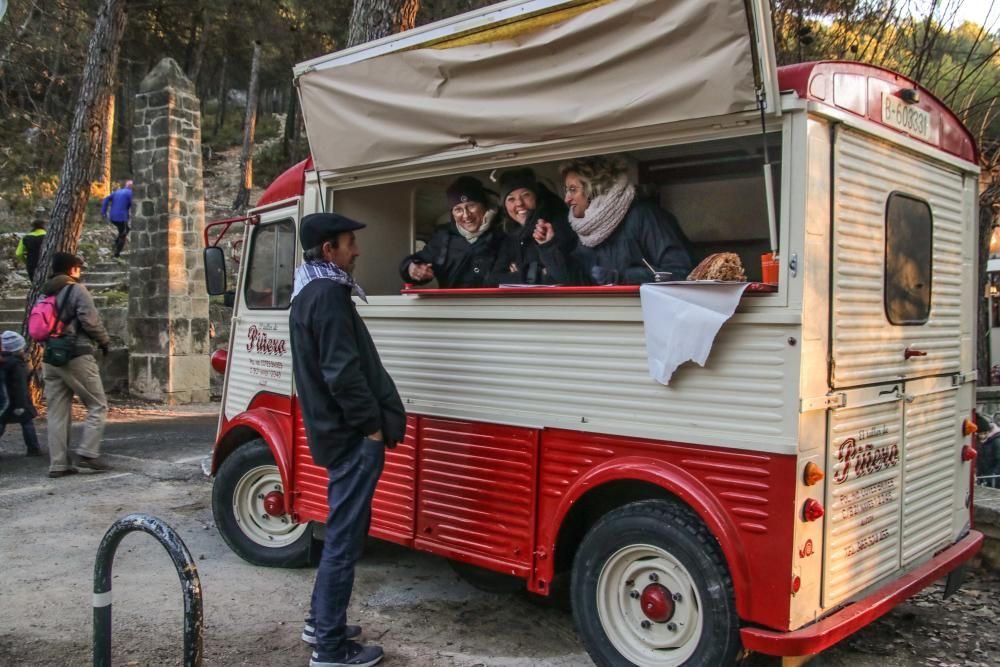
x=906, y=117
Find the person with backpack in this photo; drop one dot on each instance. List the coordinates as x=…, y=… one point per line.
x=20, y=409
x=70, y=367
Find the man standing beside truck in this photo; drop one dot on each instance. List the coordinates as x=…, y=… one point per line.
x=351, y=411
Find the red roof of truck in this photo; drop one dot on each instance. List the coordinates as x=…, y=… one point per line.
x=291, y=183
x=860, y=89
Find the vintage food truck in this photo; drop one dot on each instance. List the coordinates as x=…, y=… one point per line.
x=812, y=474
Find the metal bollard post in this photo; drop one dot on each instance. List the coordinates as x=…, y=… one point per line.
x=186, y=570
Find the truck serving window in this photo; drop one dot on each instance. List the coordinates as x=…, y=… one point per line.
x=908, y=239
x=271, y=267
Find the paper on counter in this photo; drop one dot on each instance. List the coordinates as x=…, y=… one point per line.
x=681, y=320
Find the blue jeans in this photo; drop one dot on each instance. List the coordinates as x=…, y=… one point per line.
x=349, y=493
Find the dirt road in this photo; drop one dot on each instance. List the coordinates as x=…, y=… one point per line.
x=411, y=603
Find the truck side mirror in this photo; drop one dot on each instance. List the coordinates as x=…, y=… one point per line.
x=229, y=299
x=215, y=271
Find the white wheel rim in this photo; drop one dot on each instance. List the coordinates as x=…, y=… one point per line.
x=253, y=519
x=658, y=644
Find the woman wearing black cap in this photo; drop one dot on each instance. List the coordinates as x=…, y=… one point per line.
x=525, y=203
x=461, y=253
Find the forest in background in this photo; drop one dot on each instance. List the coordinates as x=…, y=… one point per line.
x=43, y=50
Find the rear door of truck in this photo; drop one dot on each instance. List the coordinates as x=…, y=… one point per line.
x=900, y=335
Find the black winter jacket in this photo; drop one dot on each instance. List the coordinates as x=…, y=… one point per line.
x=15, y=374
x=519, y=260
x=456, y=262
x=647, y=232
x=344, y=391
x=32, y=251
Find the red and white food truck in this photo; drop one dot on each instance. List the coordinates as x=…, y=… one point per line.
x=812, y=474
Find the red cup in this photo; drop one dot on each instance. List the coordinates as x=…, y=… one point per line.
x=769, y=268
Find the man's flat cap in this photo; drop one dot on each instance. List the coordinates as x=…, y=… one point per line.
x=319, y=227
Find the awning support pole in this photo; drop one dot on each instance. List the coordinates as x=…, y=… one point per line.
x=772, y=217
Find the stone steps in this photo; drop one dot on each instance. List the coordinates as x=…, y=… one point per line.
x=106, y=274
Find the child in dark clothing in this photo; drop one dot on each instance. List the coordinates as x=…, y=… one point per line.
x=19, y=408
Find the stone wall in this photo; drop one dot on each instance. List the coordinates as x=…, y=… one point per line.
x=168, y=306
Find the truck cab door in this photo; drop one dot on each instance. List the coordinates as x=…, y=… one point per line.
x=260, y=358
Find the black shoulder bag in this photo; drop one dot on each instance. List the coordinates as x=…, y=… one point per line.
x=60, y=350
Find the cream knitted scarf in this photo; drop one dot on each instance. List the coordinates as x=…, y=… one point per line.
x=604, y=214
x=471, y=237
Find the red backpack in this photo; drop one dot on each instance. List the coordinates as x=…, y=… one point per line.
x=43, y=320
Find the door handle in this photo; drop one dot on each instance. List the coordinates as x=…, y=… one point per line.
x=910, y=352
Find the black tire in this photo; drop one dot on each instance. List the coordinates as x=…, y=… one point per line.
x=629, y=542
x=485, y=580
x=253, y=463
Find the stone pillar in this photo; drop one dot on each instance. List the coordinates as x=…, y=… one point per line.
x=168, y=306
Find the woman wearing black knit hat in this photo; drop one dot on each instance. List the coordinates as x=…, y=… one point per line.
x=461, y=253
x=525, y=202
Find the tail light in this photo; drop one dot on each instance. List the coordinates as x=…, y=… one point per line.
x=811, y=474
x=219, y=360
x=812, y=510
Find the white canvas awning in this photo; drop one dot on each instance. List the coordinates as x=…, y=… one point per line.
x=525, y=72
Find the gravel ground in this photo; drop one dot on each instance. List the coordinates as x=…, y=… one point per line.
x=411, y=603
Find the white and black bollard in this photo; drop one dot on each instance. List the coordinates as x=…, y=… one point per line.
x=186, y=570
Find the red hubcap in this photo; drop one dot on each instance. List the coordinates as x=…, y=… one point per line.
x=657, y=603
x=274, y=503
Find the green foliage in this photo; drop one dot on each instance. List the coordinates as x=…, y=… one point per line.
x=226, y=134
x=230, y=133
x=271, y=161
x=959, y=64
x=115, y=298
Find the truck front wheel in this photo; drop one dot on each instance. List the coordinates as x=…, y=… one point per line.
x=244, y=497
x=651, y=588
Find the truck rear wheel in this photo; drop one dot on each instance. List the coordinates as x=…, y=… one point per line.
x=651, y=588
x=246, y=487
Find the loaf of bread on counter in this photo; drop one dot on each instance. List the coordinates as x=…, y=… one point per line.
x=720, y=266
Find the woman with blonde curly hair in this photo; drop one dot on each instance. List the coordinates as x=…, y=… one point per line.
x=623, y=238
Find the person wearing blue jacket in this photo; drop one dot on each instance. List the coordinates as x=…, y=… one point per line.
x=116, y=208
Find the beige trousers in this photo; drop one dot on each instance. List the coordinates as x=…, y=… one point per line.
x=81, y=377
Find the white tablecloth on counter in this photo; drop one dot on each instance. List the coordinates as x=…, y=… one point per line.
x=681, y=320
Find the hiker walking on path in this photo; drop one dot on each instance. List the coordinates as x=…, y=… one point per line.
x=20, y=409
x=79, y=375
x=29, y=248
x=116, y=207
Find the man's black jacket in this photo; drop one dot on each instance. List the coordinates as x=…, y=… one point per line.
x=344, y=392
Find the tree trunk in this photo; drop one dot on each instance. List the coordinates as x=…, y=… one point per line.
x=249, y=125
x=199, y=55
x=291, y=118
x=374, y=19
x=83, y=143
x=223, y=97
x=989, y=203
x=101, y=185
